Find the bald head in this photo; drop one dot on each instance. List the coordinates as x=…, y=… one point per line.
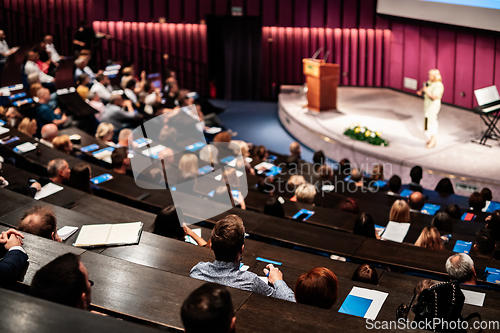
x=123, y=137
x=43, y=95
x=295, y=148
x=166, y=155
x=40, y=221
x=417, y=200
x=49, y=132
x=460, y=267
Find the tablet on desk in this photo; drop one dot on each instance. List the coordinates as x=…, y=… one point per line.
x=196, y=146
x=142, y=142
x=89, y=148
x=101, y=179
x=303, y=215
x=273, y=171
x=468, y=217
x=205, y=169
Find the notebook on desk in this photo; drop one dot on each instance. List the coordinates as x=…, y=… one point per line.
x=109, y=234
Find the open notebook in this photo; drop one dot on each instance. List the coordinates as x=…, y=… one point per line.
x=109, y=234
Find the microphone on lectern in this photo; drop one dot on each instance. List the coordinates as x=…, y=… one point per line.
x=317, y=53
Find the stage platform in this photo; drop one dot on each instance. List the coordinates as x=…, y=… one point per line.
x=399, y=117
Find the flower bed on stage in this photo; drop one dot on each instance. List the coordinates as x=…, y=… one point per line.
x=362, y=133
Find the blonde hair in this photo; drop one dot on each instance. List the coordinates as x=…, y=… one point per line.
x=430, y=238
x=296, y=180
x=437, y=74
x=103, y=130
x=305, y=193
x=62, y=143
x=189, y=163
x=400, y=212
x=26, y=126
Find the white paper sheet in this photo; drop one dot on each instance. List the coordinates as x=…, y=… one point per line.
x=26, y=147
x=377, y=297
x=153, y=150
x=264, y=279
x=48, y=189
x=124, y=233
x=66, y=232
x=190, y=239
x=244, y=268
x=395, y=231
x=474, y=297
x=4, y=130
x=213, y=130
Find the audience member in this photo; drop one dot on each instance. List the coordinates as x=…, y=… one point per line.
x=378, y=172
x=105, y=132
x=486, y=193
x=260, y=153
x=295, y=180
x=81, y=64
x=80, y=177
x=365, y=226
x=294, y=158
x=460, y=267
x=400, y=212
x=318, y=160
x=116, y=114
x=223, y=137
x=63, y=143
x=209, y=153
x=102, y=87
x=442, y=222
x=25, y=189
x=189, y=163
x=123, y=137
x=58, y=171
x=416, y=201
x=44, y=113
x=454, y=211
x=494, y=224
x=49, y=132
x=64, y=280
x=82, y=83
x=169, y=222
x=120, y=160
x=228, y=238
x=345, y=167
x=40, y=221
x=319, y=287
x=325, y=173
x=477, y=202
x=274, y=208
x=349, y=205
x=31, y=67
x=28, y=126
x=416, y=174
x=266, y=185
x=394, y=185
x=14, y=260
x=13, y=117
x=208, y=309
x=129, y=91
x=95, y=102
x=305, y=193
x=484, y=243
x=154, y=95
x=49, y=44
x=430, y=238
x=445, y=187
x=366, y=273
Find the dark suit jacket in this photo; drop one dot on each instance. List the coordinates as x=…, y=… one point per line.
x=12, y=265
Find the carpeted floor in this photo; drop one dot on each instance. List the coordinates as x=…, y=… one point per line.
x=258, y=123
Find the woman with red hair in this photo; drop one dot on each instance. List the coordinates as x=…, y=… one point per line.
x=318, y=287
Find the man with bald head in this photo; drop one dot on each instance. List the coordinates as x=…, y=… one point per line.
x=31, y=67
x=123, y=137
x=40, y=221
x=45, y=114
x=416, y=201
x=460, y=267
x=49, y=132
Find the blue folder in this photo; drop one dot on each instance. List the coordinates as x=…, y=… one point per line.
x=430, y=209
x=89, y=148
x=492, y=275
x=196, y=146
x=462, y=247
x=101, y=179
x=355, y=306
x=406, y=193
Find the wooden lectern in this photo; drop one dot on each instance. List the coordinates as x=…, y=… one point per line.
x=322, y=81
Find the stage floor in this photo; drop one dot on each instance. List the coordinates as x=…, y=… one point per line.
x=399, y=117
